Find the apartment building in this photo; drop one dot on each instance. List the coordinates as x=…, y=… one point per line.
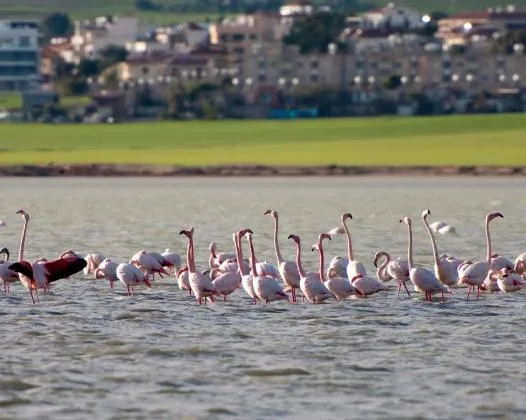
x=19, y=55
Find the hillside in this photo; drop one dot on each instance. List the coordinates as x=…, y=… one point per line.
x=78, y=9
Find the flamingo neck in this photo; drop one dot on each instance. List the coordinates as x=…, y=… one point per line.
x=239, y=254
x=433, y=241
x=381, y=271
x=322, y=262
x=298, y=260
x=276, y=243
x=191, y=268
x=22, y=241
x=488, y=242
x=410, y=247
x=252, y=256
x=350, y=255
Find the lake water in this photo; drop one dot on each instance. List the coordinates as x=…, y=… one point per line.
x=90, y=352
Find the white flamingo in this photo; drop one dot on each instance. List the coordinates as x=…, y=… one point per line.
x=340, y=287
x=338, y=267
x=182, y=277
x=174, y=258
x=423, y=279
x=474, y=274
x=226, y=283
x=397, y=269
x=148, y=263
x=217, y=258
x=288, y=270
x=93, y=261
x=310, y=283
x=353, y=267
x=498, y=262
x=442, y=228
x=166, y=263
x=266, y=288
x=7, y=276
x=131, y=276
x=201, y=285
x=509, y=282
x=247, y=278
x=445, y=270
x=107, y=269
x=519, y=265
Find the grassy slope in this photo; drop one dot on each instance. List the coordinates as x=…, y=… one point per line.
x=87, y=9
x=457, y=140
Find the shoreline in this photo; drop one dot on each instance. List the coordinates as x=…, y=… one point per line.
x=102, y=170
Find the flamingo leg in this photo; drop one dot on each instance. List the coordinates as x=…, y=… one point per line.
x=478, y=291
x=31, y=294
x=443, y=299
x=128, y=287
x=406, y=289
x=224, y=298
x=36, y=293
x=469, y=291
x=399, y=287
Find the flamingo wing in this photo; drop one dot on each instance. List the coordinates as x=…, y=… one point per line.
x=22, y=267
x=64, y=267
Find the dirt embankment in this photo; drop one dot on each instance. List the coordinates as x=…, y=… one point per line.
x=252, y=170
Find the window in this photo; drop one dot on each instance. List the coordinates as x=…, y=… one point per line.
x=253, y=37
x=145, y=70
x=262, y=78
x=314, y=64
x=314, y=78
x=25, y=41
x=238, y=37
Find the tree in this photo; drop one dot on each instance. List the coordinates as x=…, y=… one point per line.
x=88, y=68
x=112, y=54
x=316, y=32
x=56, y=25
x=393, y=82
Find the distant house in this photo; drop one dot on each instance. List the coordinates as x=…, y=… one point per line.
x=393, y=17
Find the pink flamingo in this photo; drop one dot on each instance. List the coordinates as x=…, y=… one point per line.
x=40, y=274
x=247, y=280
x=200, y=284
x=265, y=287
x=310, y=284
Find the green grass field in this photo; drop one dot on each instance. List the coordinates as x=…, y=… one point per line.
x=14, y=100
x=495, y=140
x=86, y=10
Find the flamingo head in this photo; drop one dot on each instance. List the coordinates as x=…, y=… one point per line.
x=492, y=216
x=187, y=233
x=99, y=273
x=295, y=238
x=147, y=281
x=406, y=220
x=358, y=276
x=315, y=247
x=504, y=272
x=273, y=213
x=23, y=213
x=181, y=271
x=494, y=255
x=6, y=252
x=426, y=213
x=243, y=232
x=378, y=255
x=212, y=248
x=346, y=216
x=323, y=236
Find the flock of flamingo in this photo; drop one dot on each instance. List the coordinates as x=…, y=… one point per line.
x=264, y=282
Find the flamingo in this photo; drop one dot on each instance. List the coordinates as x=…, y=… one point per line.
x=423, y=279
x=445, y=270
x=216, y=258
x=397, y=270
x=519, y=265
x=508, y=281
x=498, y=262
x=166, y=264
x=442, y=228
x=148, y=263
x=182, y=276
x=7, y=276
x=174, y=258
x=340, y=287
x=353, y=267
x=131, y=276
x=200, y=284
x=310, y=283
x=338, y=267
x=93, y=261
x=247, y=278
x=227, y=282
x=288, y=270
x=40, y=274
x=265, y=287
x=475, y=274
x=107, y=269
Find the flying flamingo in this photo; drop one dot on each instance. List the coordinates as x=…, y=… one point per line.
x=340, y=287
x=310, y=283
x=7, y=276
x=93, y=261
x=201, y=285
x=474, y=274
x=288, y=270
x=397, y=269
x=423, y=279
x=247, y=278
x=107, y=269
x=445, y=271
x=266, y=288
x=354, y=267
x=131, y=276
x=40, y=274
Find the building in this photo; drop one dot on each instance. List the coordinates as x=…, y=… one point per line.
x=19, y=56
x=392, y=17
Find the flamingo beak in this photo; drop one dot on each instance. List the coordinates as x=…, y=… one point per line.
x=268, y=212
x=375, y=262
x=147, y=282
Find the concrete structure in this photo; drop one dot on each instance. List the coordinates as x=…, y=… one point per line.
x=19, y=55
x=392, y=17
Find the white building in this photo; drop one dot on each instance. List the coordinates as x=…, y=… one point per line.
x=19, y=55
x=392, y=17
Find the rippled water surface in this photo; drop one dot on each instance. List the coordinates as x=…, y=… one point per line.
x=90, y=352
